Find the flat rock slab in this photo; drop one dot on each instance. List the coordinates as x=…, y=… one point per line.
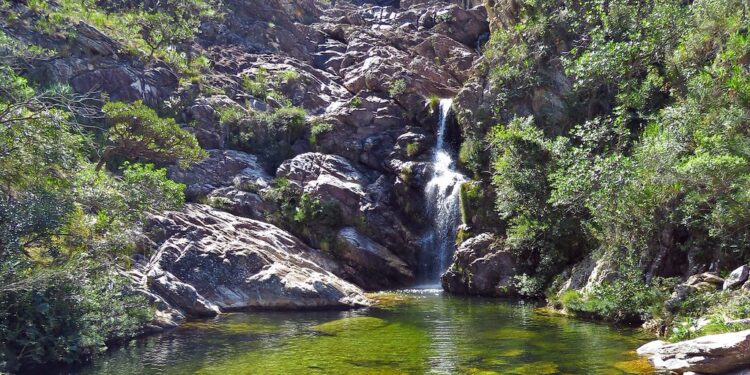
x=713, y=354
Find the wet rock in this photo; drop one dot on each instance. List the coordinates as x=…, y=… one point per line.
x=373, y=266
x=736, y=278
x=209, y=260
x=481, y=266
x=713, y=354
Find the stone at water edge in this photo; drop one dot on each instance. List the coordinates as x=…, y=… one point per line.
x=651, y=348
x=737, y=277
x=481, y=266
x=713, y=354
x=210, y=261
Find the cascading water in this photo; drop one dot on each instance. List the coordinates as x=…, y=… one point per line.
x=442, y=205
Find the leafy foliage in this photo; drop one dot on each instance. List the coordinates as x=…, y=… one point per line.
x=638, y=141
x=67, y=228
x=137, y=133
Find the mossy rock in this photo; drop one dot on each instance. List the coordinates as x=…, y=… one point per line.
x=386, y=300
x=350, y=325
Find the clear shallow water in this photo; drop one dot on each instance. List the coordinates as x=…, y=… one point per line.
x=415, y=332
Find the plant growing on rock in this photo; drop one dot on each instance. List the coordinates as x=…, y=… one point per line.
x=318, y=129
x=136, y=132
x=433, y=103
x=257, y=86
x=397, y=88
x=412, y=149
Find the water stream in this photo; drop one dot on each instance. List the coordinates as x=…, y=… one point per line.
x=442, y=194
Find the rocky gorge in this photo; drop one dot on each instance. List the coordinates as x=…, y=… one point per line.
x=487, y=148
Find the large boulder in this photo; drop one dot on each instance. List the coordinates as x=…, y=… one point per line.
x=368, y=263
x=713, y=354
x=330, y=178
x=365, y=203
x=736, y=278
x=222, y=168
x=207, y=261
x=481, y=266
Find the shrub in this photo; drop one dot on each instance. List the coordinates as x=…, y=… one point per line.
x=136, y=132
x=626, y=299
x=397, y=88
x=289, y=75
x=433, y=103
x=356, y=102
x=318, y=129
x=64, y=315
x=470, y=155
x=412, y=149
x=257, y=86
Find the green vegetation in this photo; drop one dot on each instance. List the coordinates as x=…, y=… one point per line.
x=67, y=227
x=412, y=149
x=433, y=103
x=397, y=88
x=257, y=86
x=356, y=102
x=645, y=151
x=158, y=30
x=304, y=215
x=318, y=129
x=136, y=132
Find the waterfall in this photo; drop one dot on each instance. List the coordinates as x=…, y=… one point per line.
x=442, y=205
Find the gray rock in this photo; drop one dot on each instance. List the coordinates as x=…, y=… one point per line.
x=373, y=266
x=713, y=354
x=209, y=261
x=222, y=168
x=481, y=266
x=736, y=278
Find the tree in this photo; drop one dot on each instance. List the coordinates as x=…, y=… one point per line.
x=172, y=23
x=137, y=133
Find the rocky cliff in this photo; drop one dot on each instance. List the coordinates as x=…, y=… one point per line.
x=365, y=76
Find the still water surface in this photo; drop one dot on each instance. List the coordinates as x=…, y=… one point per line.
x=414, y=332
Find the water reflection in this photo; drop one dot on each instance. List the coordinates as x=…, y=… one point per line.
x=425, y=332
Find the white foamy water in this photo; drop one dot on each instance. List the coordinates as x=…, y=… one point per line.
x=442, y=197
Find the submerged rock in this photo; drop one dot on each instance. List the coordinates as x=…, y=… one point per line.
x=209, y=261
x=713, y=354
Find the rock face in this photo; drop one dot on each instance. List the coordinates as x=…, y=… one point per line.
x=736, y=278
x=481, y=266
x=381, y=253
x=208, y=261
x=713, y=354
x=369, y=264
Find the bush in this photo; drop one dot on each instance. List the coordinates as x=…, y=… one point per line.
x=627, y=299
x=412, y=149
x=257, y=86
x=136, y=132
x=397, y=88
x=433, y=103
x=64, y=315
x=318, y=129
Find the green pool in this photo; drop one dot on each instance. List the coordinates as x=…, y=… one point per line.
x=413, y=332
